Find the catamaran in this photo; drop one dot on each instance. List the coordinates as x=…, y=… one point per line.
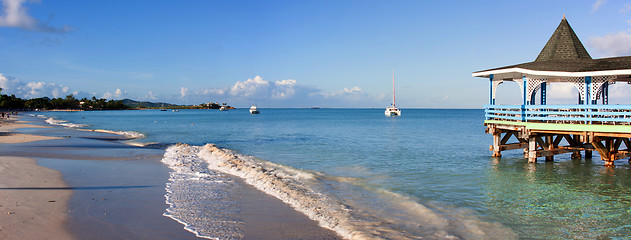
x=393, y=110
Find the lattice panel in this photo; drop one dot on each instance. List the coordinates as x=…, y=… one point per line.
x=533, y=86
x=521, y=85
x=579, y=83
x=597, y=83
x=495, y=85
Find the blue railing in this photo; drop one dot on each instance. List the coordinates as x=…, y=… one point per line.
x=581, y=114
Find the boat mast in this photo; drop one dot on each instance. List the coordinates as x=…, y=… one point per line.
x=393, y=97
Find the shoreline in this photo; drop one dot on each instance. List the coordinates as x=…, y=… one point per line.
x=33, y=199
x=132, y=204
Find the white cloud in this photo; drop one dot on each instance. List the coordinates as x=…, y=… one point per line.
x=183, y=92
x=150, y=96
x=254, y=87
x=16, y=15
x=16, y=87
x=562, y=91
x=280, y=93
x=612, y=44
x=118, y=94
x=597, y=5
x=627, y=7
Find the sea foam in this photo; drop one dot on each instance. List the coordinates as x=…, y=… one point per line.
x=339, y=204
x=128, y=134
x=64, y=123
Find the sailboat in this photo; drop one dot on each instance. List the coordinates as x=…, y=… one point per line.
x=393, y=110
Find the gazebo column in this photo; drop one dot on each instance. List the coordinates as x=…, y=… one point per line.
x=605, y=93
x=587, y=101
x=524, y=98
x=491, y=91
x=543, y=93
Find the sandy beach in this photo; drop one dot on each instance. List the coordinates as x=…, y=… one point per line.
x=59, y=183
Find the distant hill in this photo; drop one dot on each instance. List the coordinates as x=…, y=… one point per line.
x=137, y=104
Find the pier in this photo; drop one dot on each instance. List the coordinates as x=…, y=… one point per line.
x=543, y=130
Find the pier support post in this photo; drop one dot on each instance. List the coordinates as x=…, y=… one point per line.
x=576, y=155
x=550, y=142
x=532, y=149
x=497, y=140
x=588, y=154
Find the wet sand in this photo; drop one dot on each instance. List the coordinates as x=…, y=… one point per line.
x=104, y=189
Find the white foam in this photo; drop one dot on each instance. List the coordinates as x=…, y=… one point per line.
x=199, y=198
x=64, y=123
x=356, y=213
x=128, y=134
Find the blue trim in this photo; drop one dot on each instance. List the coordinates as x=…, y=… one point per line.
x=588, y=86
x=523, y=106
x=491, y=99
x=544, y=93
x=583, y=114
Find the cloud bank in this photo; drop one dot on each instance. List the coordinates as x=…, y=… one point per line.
x=612, y=44
x=15, y=15
x=21, y=89
x=282, y=93
x=256, y=90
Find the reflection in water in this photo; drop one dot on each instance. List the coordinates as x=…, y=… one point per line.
x=567, y=199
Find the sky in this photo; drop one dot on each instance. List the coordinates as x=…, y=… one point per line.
x=291, y=53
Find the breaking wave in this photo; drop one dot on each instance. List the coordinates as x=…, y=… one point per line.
x=58, y=122
x=341, y=204
x=64, y=123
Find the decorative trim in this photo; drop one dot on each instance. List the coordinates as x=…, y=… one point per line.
x=552, y=73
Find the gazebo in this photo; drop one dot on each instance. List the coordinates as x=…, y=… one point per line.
x=591, y=124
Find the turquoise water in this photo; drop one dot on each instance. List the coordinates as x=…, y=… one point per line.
x=438, y=159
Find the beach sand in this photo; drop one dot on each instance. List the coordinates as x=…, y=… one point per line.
x=87, y=185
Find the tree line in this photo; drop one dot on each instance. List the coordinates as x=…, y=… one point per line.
x=67, y=103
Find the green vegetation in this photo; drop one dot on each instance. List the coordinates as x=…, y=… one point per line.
x=11, y=102
x=67, y=103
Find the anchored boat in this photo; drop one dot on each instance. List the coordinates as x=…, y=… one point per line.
x=393, y=110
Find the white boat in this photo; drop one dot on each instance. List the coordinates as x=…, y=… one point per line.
x=254, y=110
x=223, y=108
x=393, y=110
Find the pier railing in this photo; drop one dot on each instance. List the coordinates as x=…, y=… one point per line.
x=568, y=114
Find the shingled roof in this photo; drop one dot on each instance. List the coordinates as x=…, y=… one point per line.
x=563, y=45
x=564, y=52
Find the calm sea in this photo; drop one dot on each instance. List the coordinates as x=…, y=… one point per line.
x=428, y=173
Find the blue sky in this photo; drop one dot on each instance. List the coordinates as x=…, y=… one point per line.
x=288, y=53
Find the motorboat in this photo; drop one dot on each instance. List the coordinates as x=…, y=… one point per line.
x=254, y=110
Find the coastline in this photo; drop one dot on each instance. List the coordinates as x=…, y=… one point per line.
x=33, y=198
x=93, y=204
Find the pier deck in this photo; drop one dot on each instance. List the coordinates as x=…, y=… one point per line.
x=548, y=130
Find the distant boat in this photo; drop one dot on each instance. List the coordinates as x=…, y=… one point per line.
x=315, y=107
x=393, y=110
x=175, y=110
x=163, y=110
x=254, y=110
x=223, y=108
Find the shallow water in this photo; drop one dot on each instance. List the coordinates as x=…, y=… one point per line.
x=428, y=173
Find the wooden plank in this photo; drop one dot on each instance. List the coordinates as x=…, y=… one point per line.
x=617, y=144
x=602, y=150
x=558, y=140
x=513, y=146
x=541, y=143
x=552, y=152
x=506, y=137
x=627, y=142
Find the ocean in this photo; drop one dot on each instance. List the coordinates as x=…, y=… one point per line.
x=427, y=174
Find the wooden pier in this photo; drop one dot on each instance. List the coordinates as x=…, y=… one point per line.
x=543, y=130
x=550, y=130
